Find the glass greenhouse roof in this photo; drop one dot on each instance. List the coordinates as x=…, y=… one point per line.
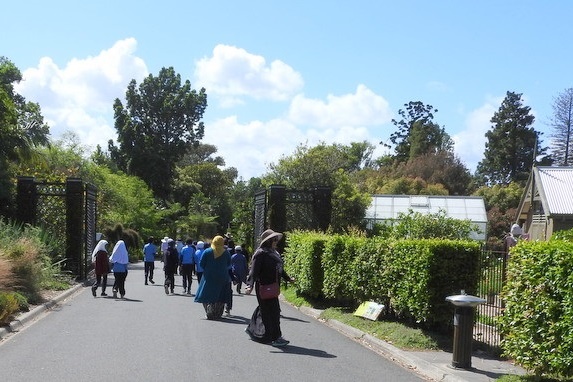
x=388, y=207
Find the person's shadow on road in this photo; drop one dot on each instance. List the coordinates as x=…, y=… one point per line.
x=290, y=349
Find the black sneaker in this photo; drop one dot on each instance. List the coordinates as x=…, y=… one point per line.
x=166, y=289
x=279, y=342
x=94, y=289
x=151, y=281
x=103, y=294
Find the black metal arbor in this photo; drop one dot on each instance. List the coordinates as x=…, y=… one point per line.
x=67, y=210
x=281, y=209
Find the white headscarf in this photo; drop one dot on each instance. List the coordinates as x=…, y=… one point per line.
x=119, y=253
x=99, y=247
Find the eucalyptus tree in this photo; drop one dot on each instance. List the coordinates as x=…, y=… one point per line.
x=161, y=118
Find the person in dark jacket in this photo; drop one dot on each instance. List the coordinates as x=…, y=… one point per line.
x=170, y=264
x=101, y=267
x=267, y=268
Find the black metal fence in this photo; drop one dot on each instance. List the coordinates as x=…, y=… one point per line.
x=493, y=268
x=68, y=211
x=283, y=209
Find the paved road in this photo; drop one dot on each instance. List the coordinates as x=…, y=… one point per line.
x=150, y=336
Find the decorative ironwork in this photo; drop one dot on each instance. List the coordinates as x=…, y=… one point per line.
x=286, y=210
x=50, y=210
x=260, y=215
x=67, y=211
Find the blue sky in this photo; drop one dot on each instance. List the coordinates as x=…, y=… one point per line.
x=281, y=74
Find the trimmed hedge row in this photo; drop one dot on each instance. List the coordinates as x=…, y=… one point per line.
x=537, y=326
x=413, y=276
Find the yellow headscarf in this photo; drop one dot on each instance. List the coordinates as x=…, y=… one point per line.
x=218, y=245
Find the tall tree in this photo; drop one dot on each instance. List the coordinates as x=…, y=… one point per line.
x=417, y=133
x=162, y=117
x=562, y=122
x=511, y=144
x=22, y=129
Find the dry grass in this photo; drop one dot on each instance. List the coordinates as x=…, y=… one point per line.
x=7, y=277
x=26, y=267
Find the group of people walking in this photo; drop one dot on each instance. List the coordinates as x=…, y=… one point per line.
x=217, y=265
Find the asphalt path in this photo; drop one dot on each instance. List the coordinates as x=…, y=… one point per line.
x=151, y=336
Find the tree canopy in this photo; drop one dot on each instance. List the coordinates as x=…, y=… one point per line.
x=417, y=133
x=327, y=166
x=22, y=129
x=162, y=117
x=511, y=146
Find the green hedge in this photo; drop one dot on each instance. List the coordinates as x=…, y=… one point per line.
x=422, y=273
x=304, y=261
x=415, y=276
x=537, y=326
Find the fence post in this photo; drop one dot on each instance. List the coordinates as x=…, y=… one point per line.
x=277, y=208
x=322, y=205
x=74, y=226
x=26, y=200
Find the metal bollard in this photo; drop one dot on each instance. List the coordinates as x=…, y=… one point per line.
x=463, y=328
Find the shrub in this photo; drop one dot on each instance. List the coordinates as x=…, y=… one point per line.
x=537, y=326
x=27, y=268
x=9, y=305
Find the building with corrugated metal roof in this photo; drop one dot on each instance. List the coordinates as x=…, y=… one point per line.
x=547, y=202
x=386, y=209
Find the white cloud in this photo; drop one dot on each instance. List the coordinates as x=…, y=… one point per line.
x=233, y=73
x=79, y=97
x=363, y=108
x=251, y=147
x=470, y=142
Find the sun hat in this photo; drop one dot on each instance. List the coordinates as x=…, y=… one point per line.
x=270, y=234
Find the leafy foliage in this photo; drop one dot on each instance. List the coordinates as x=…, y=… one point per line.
x=511, y=144
x=537, y=326
x=417, y=134
x=501, y=202
x=303, y=258
x=326, y=166
x=411, y=276
x=161, y=118
x=22, y=129
x=415, y=225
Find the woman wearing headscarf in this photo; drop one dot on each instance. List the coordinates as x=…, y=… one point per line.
x=267, y=268
x=213, y=291
x=120, y=259
x=101, y=267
